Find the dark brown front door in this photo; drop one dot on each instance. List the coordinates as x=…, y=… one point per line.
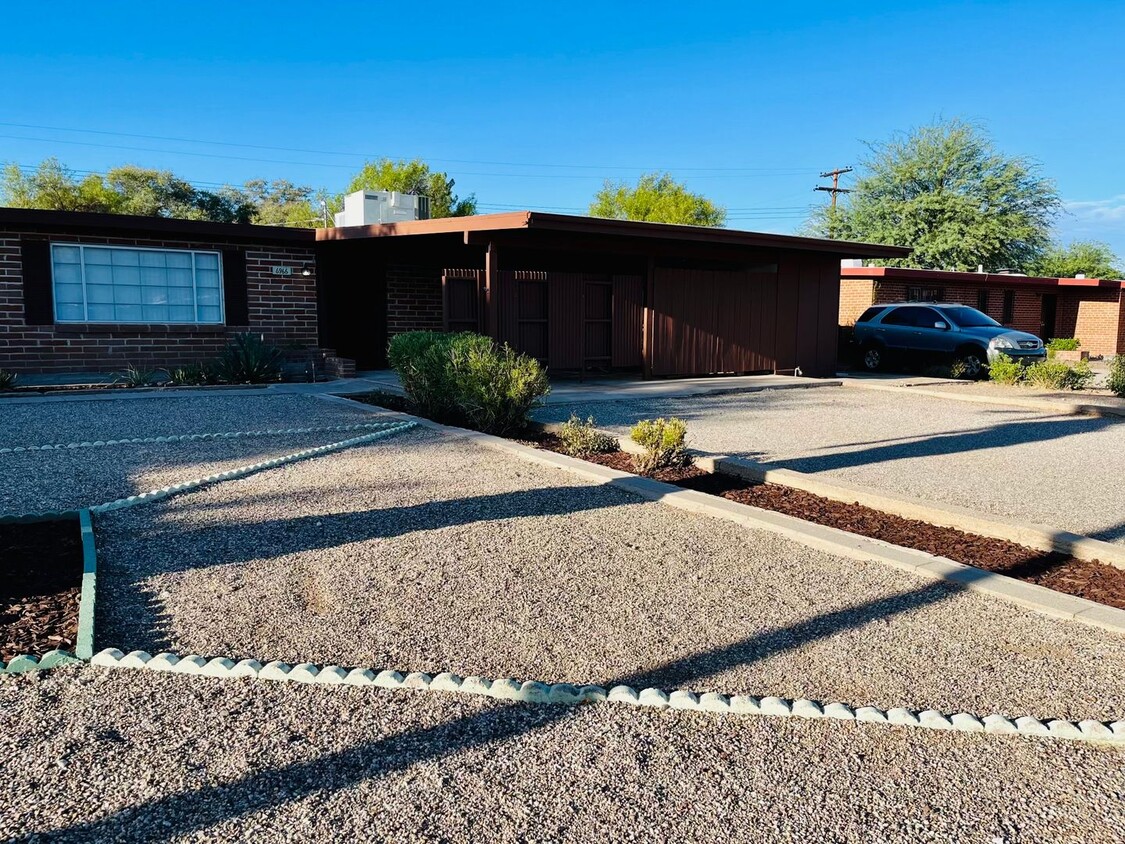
x=1048, y=312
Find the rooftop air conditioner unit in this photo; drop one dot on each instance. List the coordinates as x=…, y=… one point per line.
x=371, y=207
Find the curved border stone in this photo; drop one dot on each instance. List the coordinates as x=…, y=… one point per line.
x=568, y=694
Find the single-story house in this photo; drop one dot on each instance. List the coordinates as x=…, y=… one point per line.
x=1090, y=309
x=96, y=292
x=585, y=294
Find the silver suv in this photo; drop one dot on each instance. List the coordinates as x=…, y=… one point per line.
x=951, y=331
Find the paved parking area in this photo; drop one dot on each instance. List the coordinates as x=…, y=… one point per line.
x=1060, y=471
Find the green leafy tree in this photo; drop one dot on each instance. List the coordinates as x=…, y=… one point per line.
x=122, y=190
x=656, y=198
x=1090, y=257
x=945, y=191
x=412, y=177
x=282, y=203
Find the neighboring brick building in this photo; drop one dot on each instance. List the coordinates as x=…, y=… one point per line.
x=1092, y=310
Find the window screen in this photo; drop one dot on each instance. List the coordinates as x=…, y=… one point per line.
x=122, y=284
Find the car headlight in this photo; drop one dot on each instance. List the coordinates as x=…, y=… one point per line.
x=1001, y=343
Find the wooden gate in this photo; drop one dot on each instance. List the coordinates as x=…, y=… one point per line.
x=461, y=299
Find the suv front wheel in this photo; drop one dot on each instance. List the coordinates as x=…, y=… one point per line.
x=974, y=363
x=871, y=357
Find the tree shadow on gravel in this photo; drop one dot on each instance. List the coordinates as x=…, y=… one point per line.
x=183, y=813
x=232, y=542
x=1001, y=435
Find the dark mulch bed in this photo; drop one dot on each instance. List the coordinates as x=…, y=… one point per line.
x=389, y=401
x=1086, y=579
x=40, y=586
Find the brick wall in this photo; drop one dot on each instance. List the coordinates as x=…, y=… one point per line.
x=282, y=308
x=856, y=296
x=1094, y=317
x=414, y=299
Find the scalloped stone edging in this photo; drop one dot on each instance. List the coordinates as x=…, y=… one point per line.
x=183, y=438
x=568, y=694
x=230, y=474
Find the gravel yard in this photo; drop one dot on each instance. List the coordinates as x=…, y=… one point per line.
x=427, y=553
x=165, y=414
x=51, y=480
x=138, y=756
x=1061, y=471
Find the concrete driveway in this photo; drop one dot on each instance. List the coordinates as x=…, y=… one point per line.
x=1062, y=471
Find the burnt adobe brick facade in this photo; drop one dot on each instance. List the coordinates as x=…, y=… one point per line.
x=282, y=308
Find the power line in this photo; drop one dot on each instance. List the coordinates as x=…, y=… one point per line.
x=366, y=155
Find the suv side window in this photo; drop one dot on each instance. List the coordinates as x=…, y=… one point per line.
x=871, y=313
x=901, y=316
x=927, y=317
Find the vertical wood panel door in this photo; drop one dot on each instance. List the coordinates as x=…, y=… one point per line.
x=628, y=321
x=597, y=327
x=532, y=310
x=461, y=298
x=566, y=340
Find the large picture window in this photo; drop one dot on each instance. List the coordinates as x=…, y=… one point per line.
x=123, y=284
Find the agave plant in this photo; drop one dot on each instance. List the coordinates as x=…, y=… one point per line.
x=249, y=359
x=134, y=376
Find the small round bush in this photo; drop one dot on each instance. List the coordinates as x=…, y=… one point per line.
x=663, y=441
x=581, y=438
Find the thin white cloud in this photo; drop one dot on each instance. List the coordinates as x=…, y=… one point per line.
x=1111, y=210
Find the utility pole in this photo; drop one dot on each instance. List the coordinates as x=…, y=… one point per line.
x=835, y=189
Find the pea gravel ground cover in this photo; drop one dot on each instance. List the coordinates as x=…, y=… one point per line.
x=1061, y=471
x=427, y=553
x=138, y=756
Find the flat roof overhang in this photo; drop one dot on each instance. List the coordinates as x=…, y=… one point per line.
x=127, y=225
x=474, y=229
x=911, y=274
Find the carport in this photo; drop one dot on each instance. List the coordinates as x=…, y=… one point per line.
x=590, y=295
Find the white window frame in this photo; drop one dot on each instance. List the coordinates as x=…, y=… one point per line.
x=82, y=247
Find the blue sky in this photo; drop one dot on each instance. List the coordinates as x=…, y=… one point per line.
x=534, y=104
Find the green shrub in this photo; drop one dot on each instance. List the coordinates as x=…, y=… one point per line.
x=1056, y=375
x=581, y=439
x=495, y=387
x=1115, y=381
x=134, y=376
x=248, y=359
x=466, y=379
x=1063, y=344
x=663, y=441
x=1004, y=370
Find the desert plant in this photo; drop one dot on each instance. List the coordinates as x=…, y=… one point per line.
x=193, y=375
x=1115, y=381
x=423, y=361
x=134, y=376
x=7, y=379
x=582, y=438
x=467, y=379
x=663, y=441
x=248, y=359
x=495, y=387
x=1055, y=375
x=1004, y=370
x=1063, y=344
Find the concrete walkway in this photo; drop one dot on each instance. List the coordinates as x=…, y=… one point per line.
x=563, y=391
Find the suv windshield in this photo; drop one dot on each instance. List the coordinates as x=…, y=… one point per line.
x=968, y=317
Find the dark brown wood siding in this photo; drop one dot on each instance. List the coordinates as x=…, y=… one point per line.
x=763, y=318
x=628, y=320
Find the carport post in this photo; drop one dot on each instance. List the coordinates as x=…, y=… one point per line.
x=489, y=322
